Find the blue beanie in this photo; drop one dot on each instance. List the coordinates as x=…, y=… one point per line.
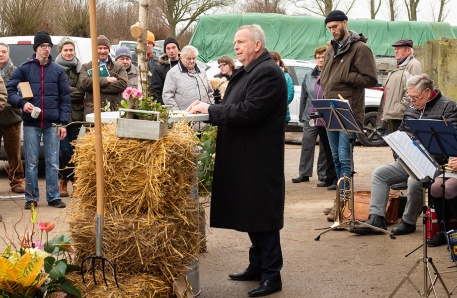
x=122, y=51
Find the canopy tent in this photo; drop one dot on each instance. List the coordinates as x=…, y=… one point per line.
x=296, y=37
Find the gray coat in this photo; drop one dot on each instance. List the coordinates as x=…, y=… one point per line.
x=182, y=88
x=10, y=115
x=307, y=94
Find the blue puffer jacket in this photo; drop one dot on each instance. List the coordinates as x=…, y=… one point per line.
x=51, y=92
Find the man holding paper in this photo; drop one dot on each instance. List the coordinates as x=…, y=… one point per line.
x=426, y=103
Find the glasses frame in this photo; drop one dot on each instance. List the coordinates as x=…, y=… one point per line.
x=334, y=27
x=45, y=46
x=416, y=97
x=222, y=65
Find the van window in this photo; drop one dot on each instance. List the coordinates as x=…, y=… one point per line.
x=19, y=53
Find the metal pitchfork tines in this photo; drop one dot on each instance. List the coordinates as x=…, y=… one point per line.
x=98, y=256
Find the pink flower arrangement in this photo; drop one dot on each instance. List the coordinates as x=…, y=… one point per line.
x=130, y=92
x=46, y=226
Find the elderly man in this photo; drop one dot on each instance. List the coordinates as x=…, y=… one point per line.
x=111, y=87
x=166, y=62
x=186, y=82
x=124, y=55
x=427, y=103
x=51, y=93
x=10, y=127
x=248, y=187
x=348, y=69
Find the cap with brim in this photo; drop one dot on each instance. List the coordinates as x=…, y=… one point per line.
x=403, y=43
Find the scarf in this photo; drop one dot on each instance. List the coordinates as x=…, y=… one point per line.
x=74, y=63
x=6, y=69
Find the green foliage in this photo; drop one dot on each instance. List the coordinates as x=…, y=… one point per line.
x=205, y=160
x=147, y=103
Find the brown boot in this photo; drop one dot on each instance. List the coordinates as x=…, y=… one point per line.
x=331, y=215
x=326, y=211
x=63, y=188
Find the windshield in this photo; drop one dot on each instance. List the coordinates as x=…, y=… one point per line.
x=21, y=52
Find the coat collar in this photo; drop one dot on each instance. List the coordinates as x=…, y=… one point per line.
x=183, y=69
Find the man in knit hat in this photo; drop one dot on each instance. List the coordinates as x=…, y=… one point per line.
x=166, y=61
x=111, y=87
x=124, y=55
x=348, y=69
x=10, y=127
x=51, y=94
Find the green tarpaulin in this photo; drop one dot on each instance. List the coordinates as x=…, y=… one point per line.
x=296, y=37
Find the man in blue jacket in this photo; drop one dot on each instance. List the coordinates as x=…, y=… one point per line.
x=51, y=94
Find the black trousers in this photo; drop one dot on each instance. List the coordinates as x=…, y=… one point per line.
x=265, y=255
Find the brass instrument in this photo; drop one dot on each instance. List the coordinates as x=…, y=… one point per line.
x=343, y=202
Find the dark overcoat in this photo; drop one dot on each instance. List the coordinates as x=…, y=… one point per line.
x=248, y=185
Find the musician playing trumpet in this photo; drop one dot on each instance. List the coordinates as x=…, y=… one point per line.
x=426, y=103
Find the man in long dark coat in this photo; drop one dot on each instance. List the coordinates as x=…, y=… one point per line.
x=248, y=185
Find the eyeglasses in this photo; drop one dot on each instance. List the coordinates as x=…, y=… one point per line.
x=333, y=28
x=415, y=97
x=222, y=65
x=45, y=46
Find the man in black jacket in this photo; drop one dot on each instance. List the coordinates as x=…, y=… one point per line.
x=166, y=62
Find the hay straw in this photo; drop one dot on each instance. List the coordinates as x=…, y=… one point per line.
x=151, y=221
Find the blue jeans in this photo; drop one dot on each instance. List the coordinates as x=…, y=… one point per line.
x=340, y=146
x=66, y=152
x=51, y=142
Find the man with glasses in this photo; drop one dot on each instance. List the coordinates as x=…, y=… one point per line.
x=426, y=103
x=166, y=62
x=348, y=69
x=51, y=93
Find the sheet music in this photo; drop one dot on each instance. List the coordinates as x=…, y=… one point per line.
x=412, y=154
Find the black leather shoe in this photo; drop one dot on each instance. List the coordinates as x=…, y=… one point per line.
x=300, y=179
x=324, y=184
x=399, y=186
x=266, y=287
x=246, y=275
x=403, y=228
x=373, y=220
x=332, y=187
x=438, y=240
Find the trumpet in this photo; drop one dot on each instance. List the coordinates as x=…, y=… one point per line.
x=343, y=201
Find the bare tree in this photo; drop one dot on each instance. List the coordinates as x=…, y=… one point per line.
x=114, y=19
x=179, y=15
x=393, y=9
x=374, y=8
x=265, y=6
x=24, y=17
x=323, y=7
x=73, y=18
x=411, y=7
x=442, y=14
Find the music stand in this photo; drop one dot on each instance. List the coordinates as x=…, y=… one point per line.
x=337, y=115
x=438, y=138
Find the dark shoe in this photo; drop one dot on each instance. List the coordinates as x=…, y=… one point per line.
x=28, y=205
x=438, y=240
x=266, y=287
x=18, y=188
x=322, y=179
x=400, y=186
x=300, y=179
x=327, y=210
x=403, y=228
x=332, y=187
x=373, y=220
x=324, y=184
x=57, y=204
x=246, y=275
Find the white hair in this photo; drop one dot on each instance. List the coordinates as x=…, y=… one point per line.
x=189, y=49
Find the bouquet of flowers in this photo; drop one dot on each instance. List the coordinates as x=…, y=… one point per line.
x=134, y=99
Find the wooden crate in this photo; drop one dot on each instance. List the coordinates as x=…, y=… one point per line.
x=140, y=129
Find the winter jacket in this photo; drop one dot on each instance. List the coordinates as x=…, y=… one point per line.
x=159, y=74
x=50, y=88
x=290, y=93
x=349, y=72
x=109, y=92
x=182, y=88
x=308, y=93
x=395, y=95
x=132, y=74
x=10, y=115
x=76, y=92
x=248, y=185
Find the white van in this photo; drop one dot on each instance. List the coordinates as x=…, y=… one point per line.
x=21, y=48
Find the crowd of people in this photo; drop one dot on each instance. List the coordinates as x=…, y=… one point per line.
x=249, y=104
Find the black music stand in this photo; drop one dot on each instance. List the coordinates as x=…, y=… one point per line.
x=438, y=138
x=337, y=115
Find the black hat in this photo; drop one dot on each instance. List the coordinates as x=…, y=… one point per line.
x=41, y=37
x=403, y=43
x=168, y=40
x=335, y=15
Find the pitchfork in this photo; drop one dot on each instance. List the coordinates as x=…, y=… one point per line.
x=98, y=156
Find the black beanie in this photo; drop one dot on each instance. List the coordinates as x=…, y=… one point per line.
x=41, y=37
x=168, y=40
x=335, y=15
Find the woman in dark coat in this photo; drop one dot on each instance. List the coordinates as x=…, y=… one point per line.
x=248, y=184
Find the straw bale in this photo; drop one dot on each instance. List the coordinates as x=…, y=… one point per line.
x=150, y=221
